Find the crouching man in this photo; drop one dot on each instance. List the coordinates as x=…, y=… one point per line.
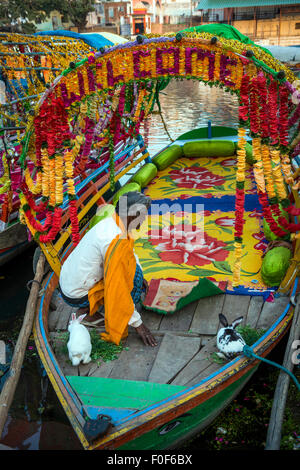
x=104, y=270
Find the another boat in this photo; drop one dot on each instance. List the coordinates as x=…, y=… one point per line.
x=219, y=180
x=28, y=63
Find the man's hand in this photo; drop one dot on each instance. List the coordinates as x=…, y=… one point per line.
x=146, y=335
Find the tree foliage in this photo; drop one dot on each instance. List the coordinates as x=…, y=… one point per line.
x=76, y=11
x=23, y=15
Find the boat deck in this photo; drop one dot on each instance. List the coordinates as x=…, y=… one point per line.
x=186, y=339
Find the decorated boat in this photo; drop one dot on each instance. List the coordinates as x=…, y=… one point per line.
x=28, y=64
x=221, y=234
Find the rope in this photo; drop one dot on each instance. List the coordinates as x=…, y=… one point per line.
x=248, y=352
x=161, y=116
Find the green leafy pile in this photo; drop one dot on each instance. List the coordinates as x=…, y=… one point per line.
x=101, y=350
x=250, y=335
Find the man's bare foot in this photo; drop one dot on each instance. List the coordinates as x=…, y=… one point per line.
x=146, y=335
x=92, y=319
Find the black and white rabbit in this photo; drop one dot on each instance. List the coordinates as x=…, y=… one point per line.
x=229, y=341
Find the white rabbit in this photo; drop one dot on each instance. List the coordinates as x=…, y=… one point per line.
x=79, y=344
x=229, y=342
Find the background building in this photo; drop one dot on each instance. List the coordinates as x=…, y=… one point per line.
x=273, y=22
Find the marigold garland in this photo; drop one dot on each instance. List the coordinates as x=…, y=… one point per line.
x=5, y=182
x=239, y=204
x=104, y=101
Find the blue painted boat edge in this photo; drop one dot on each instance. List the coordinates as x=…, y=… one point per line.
x=221, y=369
x=50, y=352
x=173, y=397
x=178, y=395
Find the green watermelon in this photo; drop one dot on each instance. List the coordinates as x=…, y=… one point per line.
x=275, y=265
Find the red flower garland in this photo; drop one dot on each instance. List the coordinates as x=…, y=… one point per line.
x=273, y=106
x=291, y=227
x=262, y=94
x=254, y=107
x=74, y=221
x=239, y=212
x=244, y=98
x=55, y=228
x=35, y=207
x=263, y=199
x=283, y=114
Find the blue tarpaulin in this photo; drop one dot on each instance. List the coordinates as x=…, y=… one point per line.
x=94, y=40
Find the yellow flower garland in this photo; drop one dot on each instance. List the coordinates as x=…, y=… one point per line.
x=267, y=165
x=52, y=182
x=59, y=179
x=34, y=187
x=241, y=155
x=258, y=165
x=240, y=178
x=46, y=173
x=5, y=179
x=277, y=174
x=237, y=264
x=287, y=171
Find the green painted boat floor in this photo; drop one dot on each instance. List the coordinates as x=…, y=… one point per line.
x=115, y=393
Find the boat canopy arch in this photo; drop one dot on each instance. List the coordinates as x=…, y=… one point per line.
x=102, y=100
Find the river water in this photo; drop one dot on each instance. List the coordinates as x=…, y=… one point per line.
x=36, y=419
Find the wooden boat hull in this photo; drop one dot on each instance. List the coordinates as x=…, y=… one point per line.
x=192, y=403
x=13, y=241
x=171, y=421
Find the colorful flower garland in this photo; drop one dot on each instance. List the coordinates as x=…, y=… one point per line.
x=95, y=106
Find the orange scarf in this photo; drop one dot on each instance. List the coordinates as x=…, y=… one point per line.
x=116, y=286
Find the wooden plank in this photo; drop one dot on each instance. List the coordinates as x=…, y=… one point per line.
x=206, y=316
x=271, y=311
x=151, y=319
x=53, y=318
x=58, y=343
x=102, y=370
x=64, y=313
x=235, y=306
x=58, y=319
x=55, y=300
x=136, y=363
x=174, y=353
x=11, y=236
x=199, y=363
x=277, y=414
x=180, y=320
x=66, y=365
x=255, y=306
x=212, y=367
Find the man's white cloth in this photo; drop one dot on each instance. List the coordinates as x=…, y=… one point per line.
x=84, y=267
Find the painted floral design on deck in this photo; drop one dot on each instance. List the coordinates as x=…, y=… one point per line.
x=196, y=177
x=191, y=246
x=205, y=177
